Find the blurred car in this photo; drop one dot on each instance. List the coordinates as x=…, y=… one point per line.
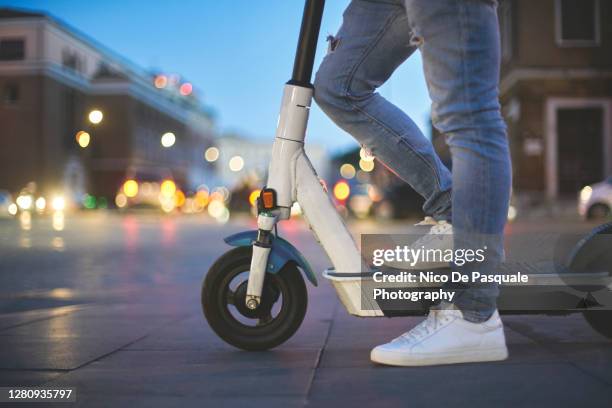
x=148, y=188
x=595, y=201
x=7, y=206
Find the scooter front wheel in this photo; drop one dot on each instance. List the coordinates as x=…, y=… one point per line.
x=284, y=300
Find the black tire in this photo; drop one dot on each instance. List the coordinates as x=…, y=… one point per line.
x=598, y=212
x=219, y=300
x=600, y=321
x=592, y=254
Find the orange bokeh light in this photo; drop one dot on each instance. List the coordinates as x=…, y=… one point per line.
x=253, y=197
x=342, y=190
x=161, y=81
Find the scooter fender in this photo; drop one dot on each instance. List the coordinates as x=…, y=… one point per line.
x=281, y=253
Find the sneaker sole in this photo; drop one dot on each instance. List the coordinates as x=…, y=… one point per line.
x=419, y=360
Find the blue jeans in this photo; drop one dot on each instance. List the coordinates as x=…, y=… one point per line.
x=459, y=44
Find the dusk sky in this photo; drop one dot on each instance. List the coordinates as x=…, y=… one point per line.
x=238, y=54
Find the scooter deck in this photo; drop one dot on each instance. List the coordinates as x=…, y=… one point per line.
x=548, y=292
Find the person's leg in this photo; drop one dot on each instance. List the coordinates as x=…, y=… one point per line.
x=373, y=41
x=461, y=57
x=459, y=41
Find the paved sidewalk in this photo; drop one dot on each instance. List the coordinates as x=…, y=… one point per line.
x=148, y=346
x=135, y=355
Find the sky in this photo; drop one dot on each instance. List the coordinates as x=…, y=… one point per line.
x=238, y=54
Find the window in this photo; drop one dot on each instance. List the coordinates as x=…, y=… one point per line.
x=578, y=22
x=11, y=94
x=12, y=49
x=71, y=60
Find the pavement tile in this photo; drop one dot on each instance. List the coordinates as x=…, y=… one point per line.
x=592, y=358
x=60, y=353
x=148, y=303
x=76, y=325
x=555, y=329
x=226, y=357
x=367, y=332
x=26, y=378
x=9, y=320
x=471, y=385
x=170, y=401
x=201, y=380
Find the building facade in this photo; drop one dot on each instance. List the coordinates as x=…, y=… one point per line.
x=52, y=77
x=556, y=94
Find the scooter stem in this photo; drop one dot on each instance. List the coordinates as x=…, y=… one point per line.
x=307, y=43
x=288, y=145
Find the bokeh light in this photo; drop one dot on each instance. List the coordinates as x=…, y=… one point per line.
x=200, y=200
x=236, y=163
x=89, y=201
x=215, y=208
x=130, y=188
x=254, y=196
x=179, y=198
x=24, y=201
x=167, y=204
x=83, y=138
x=211, y=154
x=120, y=200
x=96, y=116
x=347, y=171
x=41, y=203
x=58, y=203
x=366, y=165
x=168, y=188
x=342, y=190
x=186, y=89
x=168, y=139
x=161, y=81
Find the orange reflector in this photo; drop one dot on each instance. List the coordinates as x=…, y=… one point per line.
x=268, y=199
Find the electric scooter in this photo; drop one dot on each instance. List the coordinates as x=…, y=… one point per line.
x=254, y=296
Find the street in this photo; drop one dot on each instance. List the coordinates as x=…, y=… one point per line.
x=110, y=304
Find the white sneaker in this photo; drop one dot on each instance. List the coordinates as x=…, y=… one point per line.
x=445, y=338
x=439, y=237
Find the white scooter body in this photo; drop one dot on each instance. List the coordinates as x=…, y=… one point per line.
x=293, y=178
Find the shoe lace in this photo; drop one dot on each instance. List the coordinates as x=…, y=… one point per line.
x=440, y=228
x=435, y=320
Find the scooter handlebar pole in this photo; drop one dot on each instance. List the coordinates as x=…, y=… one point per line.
x=307, y=43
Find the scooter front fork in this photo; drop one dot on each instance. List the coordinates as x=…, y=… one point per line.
x=259, y=261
